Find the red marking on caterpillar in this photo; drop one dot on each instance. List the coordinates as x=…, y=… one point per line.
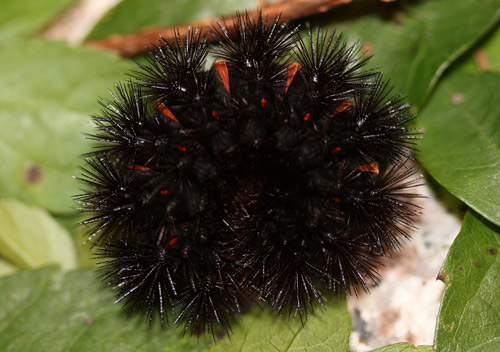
x=372, y=167
x=345, y=105
x=336, y=150
x=137, y=167
x=166, y=111
x=223, y=72
x=292, y=70
x=173, y=241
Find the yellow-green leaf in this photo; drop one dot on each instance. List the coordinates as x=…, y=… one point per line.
x=30, y=237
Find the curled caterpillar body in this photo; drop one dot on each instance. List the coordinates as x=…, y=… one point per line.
x=277, y=174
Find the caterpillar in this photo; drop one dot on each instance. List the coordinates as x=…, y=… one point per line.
x=278, y=174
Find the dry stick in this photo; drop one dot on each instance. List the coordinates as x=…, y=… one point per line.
x=133, y=44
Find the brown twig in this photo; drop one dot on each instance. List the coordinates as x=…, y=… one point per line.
x=133, y=44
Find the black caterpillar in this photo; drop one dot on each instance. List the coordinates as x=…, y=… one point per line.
x=275, y=175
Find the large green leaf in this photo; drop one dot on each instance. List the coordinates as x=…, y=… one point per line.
x=45, y=310
x=413, y=42
x=469, y=317
x=48, y=92
x=30, y=237
x=461, y=143
x=133, y=15
x=26, y=18
x=325, y=330
x=404, y=347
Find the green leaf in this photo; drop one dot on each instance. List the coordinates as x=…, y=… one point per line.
x=48, y=92
x=404, y=347
x=261, y=330
x=30, y=237
x=69, y=221
x=413, y=42
x=488, y=48
x=469, y=316
x=26, y=18
x=461, y=143
x=133, y=15
x=46, y=310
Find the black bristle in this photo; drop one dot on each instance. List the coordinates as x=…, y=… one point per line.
x=142, y=276
x=175, y=72
x=260, y=179
x=259, y=50
x=331, y=71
